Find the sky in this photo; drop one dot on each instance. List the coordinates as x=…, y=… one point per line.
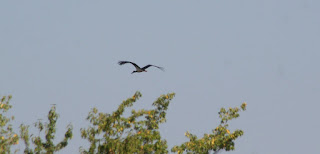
x=215, y=54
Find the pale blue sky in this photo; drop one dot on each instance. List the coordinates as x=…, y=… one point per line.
x=216, y=54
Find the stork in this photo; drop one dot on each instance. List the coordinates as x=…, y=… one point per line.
x=139, y=69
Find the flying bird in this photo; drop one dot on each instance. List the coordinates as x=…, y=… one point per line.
x=139, y=69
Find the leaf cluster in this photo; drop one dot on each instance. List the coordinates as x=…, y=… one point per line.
x=220, y=137
x=138, y=133
x=7, y=136
x=45, y=145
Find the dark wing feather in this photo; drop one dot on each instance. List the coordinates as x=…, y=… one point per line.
x=124, y=62
x=144, y=68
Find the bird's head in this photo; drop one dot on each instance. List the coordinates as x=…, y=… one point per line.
x=133, y=72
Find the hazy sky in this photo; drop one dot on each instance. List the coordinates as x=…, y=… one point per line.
x=216, y=54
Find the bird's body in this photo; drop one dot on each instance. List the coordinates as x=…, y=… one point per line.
x=139, y=69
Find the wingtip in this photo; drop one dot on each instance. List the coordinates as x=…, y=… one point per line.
x=161, y=68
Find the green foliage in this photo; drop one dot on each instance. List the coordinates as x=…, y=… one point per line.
x=138, y=133
x=116, y=133
x=46, y=146
x=7, y=136
x=219, y=139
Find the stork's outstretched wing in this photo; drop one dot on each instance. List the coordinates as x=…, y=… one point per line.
x=134, y=64
x=153, y=66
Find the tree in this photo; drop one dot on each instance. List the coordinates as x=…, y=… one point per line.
x=139, y=132
x=7, y=136
x=114, y=133
x=46, y=146
x=219, y=139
